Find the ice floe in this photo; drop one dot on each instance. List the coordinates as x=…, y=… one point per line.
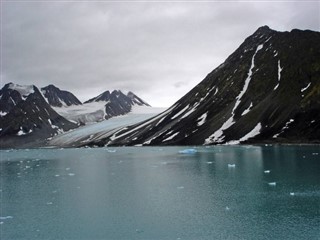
x=188, y=151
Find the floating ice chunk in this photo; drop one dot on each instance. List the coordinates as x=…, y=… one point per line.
x=180, y=187
x=7, y=217
x=227, y=208
x=266, y=171
x=111, y=151
x=57, y=175
x=188, y=151
x=67, y=169
x=209, y=162
x=272, y=183
x=292, y=194
x=71, y=174
x=139, y=231
x=49, y=203
x=231, y=165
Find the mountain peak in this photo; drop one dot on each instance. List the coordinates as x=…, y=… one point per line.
x=266, y=91
x=58, y=98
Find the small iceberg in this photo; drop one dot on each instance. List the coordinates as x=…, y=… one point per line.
x=266, y=171
x=272, y=183
x=292, y=194
x=209, y=162
x=188, y=151
x=7, y=217
x=231, y=165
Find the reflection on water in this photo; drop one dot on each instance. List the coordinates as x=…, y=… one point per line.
x=221, y=192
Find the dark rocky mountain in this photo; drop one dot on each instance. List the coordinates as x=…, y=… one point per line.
x=117, y=103
x=135, y=100
x=58, y=98
x=26, y=117
x=268, y=90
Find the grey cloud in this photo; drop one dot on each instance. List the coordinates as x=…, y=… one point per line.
x=158, y=50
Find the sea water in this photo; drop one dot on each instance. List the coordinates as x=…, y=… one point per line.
x=220, y=192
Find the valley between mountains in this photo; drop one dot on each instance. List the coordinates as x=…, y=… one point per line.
x=267, y=91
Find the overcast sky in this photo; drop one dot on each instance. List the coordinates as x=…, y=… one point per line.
x=159, y=50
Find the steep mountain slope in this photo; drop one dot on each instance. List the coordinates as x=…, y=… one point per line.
x=59, y=98
x=135, y=100
x=268, y=90
x=27, y=117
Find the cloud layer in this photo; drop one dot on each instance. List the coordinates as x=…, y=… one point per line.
x=159, y=50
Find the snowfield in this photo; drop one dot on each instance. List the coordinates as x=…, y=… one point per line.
x=96, y=131
x=86, y=113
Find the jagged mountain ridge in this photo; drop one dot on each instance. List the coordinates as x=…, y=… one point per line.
x=25, y=114
x=117, y=103
x=59, y=98
x=266, y=91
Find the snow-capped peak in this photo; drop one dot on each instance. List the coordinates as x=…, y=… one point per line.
x=24, y=90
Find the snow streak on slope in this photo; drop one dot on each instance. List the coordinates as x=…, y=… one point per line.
x=102, y=129
x=254, y=132
x=279, y=75
x=217, y=135
x=202, y=119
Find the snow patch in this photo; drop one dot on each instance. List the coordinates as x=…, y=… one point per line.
x=284, y=128
x=304, y=89
x=24, y=90
x=2, y=114
x=180, y=112
x=247, y=110
x=254, y=132
x=21, y=132
x=202, y=119
x=171, y=137
x=279, y=75
x=190, y=111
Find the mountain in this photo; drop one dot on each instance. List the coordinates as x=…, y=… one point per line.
x=26, y=116
x=59, y=98
x=267, y=91
x=117, y=103
x=135, y=100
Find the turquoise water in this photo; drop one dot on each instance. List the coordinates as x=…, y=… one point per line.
x=221, y=192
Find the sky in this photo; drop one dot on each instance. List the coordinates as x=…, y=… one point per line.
x=159, y=50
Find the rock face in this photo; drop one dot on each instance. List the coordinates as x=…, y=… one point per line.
x=117, y=103
x=27, y=117
x=268, y=90
x=58, y=98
